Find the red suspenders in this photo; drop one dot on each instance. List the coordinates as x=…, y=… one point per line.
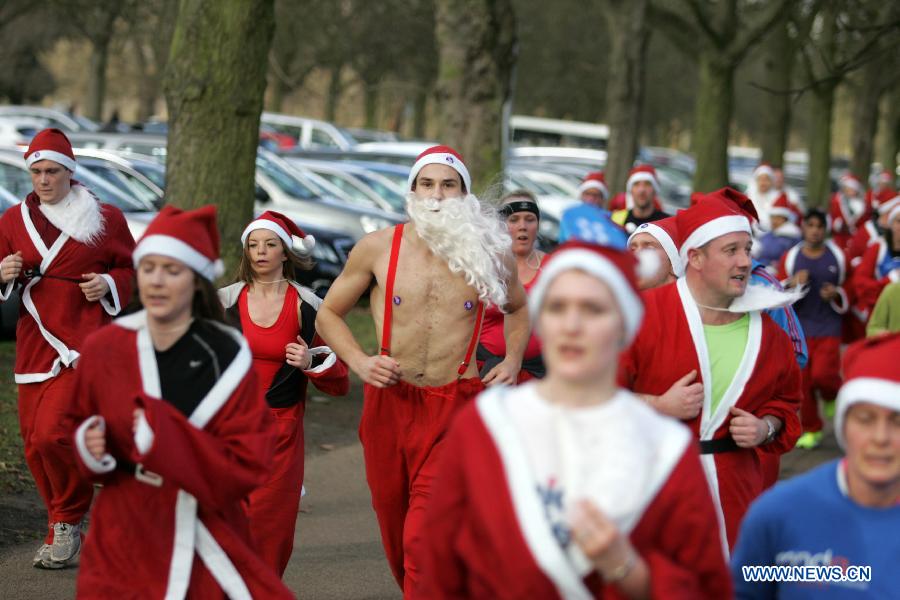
x=389, y=307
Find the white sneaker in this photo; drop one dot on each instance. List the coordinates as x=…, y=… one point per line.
x=66, y=542
x=40, y=556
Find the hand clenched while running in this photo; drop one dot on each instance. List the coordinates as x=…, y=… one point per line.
x=95, y=439
x=379, y=371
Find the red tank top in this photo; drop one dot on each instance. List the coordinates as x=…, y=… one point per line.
x=492, y=331
x=267, y=343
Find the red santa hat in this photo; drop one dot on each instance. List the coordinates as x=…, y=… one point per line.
x=293, y=237
x=51, y=144
x=714, y=215
x=764, y=168
x=886, y=176
x=870, y=375
x=782, y=208
x=616, y=268
x=595, y=180
x=642, y=173
x=190, y=236
x=440, y=155
x=889, y=205
x=664, y=231
x=851, y=181
x=895, y=212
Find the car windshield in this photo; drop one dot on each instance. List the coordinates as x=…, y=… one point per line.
x=391, y=195
x=285, y=180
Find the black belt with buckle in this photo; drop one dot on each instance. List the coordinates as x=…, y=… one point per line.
x=140, y=473
x=725, y=444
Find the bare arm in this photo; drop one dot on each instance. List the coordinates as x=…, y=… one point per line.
x=346, y=290
x=516, y=331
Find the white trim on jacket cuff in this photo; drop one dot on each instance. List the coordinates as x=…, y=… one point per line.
x=106, y=463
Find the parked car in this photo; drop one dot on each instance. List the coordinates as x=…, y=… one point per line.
x=120, y=172
x=365, y=187
x=51, y=117
x=18, y=131
x=308, y=133
x=283, y=188
x=148, y=144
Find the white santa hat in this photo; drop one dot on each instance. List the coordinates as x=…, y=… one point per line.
x=851, y=181
x=782, y=208
x=595, y=180
x=714, y=215
x=664, y=231
x=642, y=173
x=764, y=169
x=616, y=268
x=440, y=155
x=293, y=237
x=888, y=205
x=870, y=375
x=51, y=144
x=189, y=236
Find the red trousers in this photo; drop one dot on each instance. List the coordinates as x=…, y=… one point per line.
x=47, y=435
x=822, y=374
x=401, y=431
x=273, y=506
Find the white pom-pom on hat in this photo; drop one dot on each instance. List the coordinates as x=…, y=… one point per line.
x=303, y=246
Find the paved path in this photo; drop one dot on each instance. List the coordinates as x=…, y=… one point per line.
x=338, y=556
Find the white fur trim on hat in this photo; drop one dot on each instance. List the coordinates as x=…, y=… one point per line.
x=780, y=211
x=713, y=229
x=440, y=158
x=864, y=389
x=665, y=240
x=57, y=157
x=641, y=176
x=294, y=243
x=600, y=267
x=888, y=205
x=593, y=184
x=851, y=182
x=764, y=170
x=895, y=212
x=166, y=245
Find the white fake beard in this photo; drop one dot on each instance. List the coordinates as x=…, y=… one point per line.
x=77, y=215
x=765, y=297
x=470, y=237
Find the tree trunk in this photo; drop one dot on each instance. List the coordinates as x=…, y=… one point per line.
x=214, y=85
x=335, y=87
x=420, y=106
x=629, y=34
x=865, y=118
x=818, y=185
x=476, y=46
x=712, y=120
x=96, y=91
x=890, y=141
x=370, y=104
x=775, y=113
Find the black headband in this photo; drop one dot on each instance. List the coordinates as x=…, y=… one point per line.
x=520, y=206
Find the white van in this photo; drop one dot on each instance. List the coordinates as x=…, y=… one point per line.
x=537, y=131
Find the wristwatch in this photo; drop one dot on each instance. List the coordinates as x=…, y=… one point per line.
x=622, y=571
x=771, y=435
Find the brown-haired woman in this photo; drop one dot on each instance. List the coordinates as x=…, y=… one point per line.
x=173, y=425
x=278, y=318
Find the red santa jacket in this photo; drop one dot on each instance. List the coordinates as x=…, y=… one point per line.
x=843, y=224
x=56, y=317
x=182, y=504
x=864, y=237
x=786, y=270
x=870, y=277
x=488, y=536
x=671, y=344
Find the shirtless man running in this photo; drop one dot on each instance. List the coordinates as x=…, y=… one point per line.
x=430, y=280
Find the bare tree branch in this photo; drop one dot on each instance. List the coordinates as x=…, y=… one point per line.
x=677, y=30
x=754, y=30
x=703, y=22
